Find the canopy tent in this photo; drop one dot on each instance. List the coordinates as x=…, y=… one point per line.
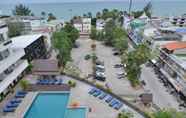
x=45, y=67
x=137, y=23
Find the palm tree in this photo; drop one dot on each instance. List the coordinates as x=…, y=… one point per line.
x=148, y=9
x=89, y=14
x=24, y=84
x=43, y=14
x=130, y=6
x=21, y=10
x=98, y=15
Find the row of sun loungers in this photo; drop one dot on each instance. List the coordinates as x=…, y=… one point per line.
x=50, y=82
x=113, y=102
x=14, y=103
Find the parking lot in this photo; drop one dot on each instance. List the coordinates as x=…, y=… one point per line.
x=121, y=87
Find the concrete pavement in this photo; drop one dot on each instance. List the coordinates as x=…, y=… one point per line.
x=161, y=96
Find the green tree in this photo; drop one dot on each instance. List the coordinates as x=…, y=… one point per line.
x=51, y=17
x=93, y=34
x=89, y=15
x=134, y=60
x=63, y=42
x=105, y=14
x=24, y=84
x=21, y=10
x=73, y=33
x=125, y=115
x=121, y=44
x=142, y=54
x=148, y=9
x=170, y=113
x=98, y=15
x=100, y=36
x=137, y=14
x=43, y=14
x=15, y=29
x=109, y=32
x=60, y=42
x=93, y=22
x=120, y=39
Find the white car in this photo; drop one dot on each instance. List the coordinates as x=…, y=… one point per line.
x=100, y=74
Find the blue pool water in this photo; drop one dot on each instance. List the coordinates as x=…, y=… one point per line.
x=48, y=105
x=76, y=113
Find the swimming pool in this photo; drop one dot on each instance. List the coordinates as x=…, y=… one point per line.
x=76, y=113
x=48, y=105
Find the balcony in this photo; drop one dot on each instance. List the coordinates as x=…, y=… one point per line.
x=169, y=61
x=5, y=44
x=11, y=59
x=20, y=66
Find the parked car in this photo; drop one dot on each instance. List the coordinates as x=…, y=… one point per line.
x=121, y=73
x=100, y=76
x=100, y=73
x=100, y=67
x=100, y=70
x=99, y=63
x=116, y=53
x=119, y=65
x=120, y=77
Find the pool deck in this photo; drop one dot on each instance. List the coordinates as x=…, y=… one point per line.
x=25, y=104
x=23, y=107
x=34, y=87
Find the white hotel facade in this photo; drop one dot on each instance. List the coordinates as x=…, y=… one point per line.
x=11, y=64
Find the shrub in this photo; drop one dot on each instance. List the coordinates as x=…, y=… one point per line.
x=87, y=57
x=93, y=46
x=24, y=84
x=99, y=85
x=71, y=83
x=74, y=84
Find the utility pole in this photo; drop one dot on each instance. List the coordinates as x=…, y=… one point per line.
x=130, y=6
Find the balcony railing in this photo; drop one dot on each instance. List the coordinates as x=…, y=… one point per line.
x=19, y=67
x=11, y=59
x=172, y=64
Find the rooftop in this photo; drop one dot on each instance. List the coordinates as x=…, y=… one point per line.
x=45, y=67
x=175, y=45
x=24, y=40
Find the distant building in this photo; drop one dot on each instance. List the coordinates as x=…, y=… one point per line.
x=33, y=45
x=100, y=24
x=12, y=66
x=83, y=25
x=178, y=21
x=27, y=23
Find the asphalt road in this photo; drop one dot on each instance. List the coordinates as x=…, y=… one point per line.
x=161, y=96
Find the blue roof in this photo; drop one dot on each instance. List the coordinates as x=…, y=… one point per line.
x=181, y=30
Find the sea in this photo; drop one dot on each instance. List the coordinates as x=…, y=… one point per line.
x=68, y=10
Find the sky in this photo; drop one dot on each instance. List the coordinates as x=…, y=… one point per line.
x=60, y=1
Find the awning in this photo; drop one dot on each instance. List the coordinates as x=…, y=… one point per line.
x=45, y=67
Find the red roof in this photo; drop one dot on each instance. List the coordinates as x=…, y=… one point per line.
x=175, y=45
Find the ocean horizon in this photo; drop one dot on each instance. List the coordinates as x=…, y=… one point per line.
x=68, y=10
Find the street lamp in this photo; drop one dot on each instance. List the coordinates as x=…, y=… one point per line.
x=130, y=6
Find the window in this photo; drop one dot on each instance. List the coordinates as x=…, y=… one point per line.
x=4, y=54
x=1, y=38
